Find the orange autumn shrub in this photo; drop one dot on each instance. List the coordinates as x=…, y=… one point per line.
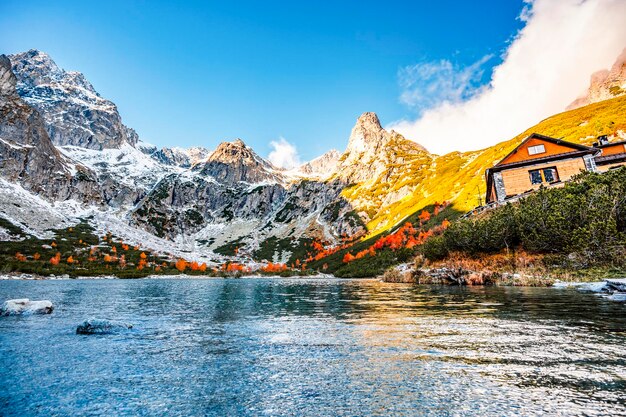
x=142, y=264
x=181, y=264
x=273, y=267
x=56, y=259
x=424, y=216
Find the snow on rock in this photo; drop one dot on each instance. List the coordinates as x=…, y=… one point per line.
x=31, y=213
x=186, y=248
x=599, y=286
x=102, y=326
x=612, y=289
x=126, y=164
x=181, y=157
x=617, y=284
x=25, y=306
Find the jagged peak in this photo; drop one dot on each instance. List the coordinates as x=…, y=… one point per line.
x=35, y=56
x=37, y=67
x=367, y=134
x=236, y=146
x=236, y=151
x=8, y=80
x=369, y=121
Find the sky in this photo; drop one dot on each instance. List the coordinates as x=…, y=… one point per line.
x=291, y=78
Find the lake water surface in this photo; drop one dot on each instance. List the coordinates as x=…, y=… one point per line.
x=312, y=347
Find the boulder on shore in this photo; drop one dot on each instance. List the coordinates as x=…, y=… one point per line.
x=101, y=326
x=25, y=306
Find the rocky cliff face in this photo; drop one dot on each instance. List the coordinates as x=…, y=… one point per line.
x=238, y=196
x=73, y=112
x=28, y=157
x=605, y=84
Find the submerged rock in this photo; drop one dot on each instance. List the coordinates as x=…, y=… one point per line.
x=102, y=326
x=25, y=306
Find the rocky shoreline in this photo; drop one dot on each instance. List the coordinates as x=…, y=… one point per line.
x=455, y=275
x=36, y=277
x=407, y=273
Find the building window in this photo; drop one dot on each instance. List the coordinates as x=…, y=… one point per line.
x=550, y=175
x=545, y=175
x=535, y=177
x=537, y=149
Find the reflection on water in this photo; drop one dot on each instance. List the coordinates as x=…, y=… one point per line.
x=312, y=347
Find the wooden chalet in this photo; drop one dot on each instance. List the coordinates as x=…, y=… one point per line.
x=538, y=161
x=613, y=154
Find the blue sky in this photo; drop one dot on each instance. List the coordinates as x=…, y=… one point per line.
x=203, y=72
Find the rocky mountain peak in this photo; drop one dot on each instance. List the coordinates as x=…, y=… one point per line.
x=8, y=80
x=367, y=134
x=73, y=112
x=234, y=162
x=605, y=84
x=369, y=121
x=372, y=149
x=323, y=166
x=234, y=151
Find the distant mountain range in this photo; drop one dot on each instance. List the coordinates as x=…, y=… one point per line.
x=66, y=154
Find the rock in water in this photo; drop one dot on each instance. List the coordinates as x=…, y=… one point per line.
x=101, y=326
x=25, y=306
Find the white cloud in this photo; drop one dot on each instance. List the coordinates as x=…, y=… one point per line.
x=284, y=154
x=545, y=68
x=430, y=84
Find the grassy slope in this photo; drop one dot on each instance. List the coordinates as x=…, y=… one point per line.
x=459, y=177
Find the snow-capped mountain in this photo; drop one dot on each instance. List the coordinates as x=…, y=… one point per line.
x=206, y=199
x=74, y=113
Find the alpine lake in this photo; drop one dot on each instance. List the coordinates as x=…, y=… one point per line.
x=309, y=347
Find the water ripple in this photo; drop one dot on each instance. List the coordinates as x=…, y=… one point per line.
x=312, y=347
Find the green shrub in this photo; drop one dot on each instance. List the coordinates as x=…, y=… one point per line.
x=435, y=248
x=585, y=218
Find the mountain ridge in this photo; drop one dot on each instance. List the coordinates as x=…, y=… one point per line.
x=232, y=198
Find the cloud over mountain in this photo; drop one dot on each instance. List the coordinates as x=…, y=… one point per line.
x=284, y=154
x=546, y=66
